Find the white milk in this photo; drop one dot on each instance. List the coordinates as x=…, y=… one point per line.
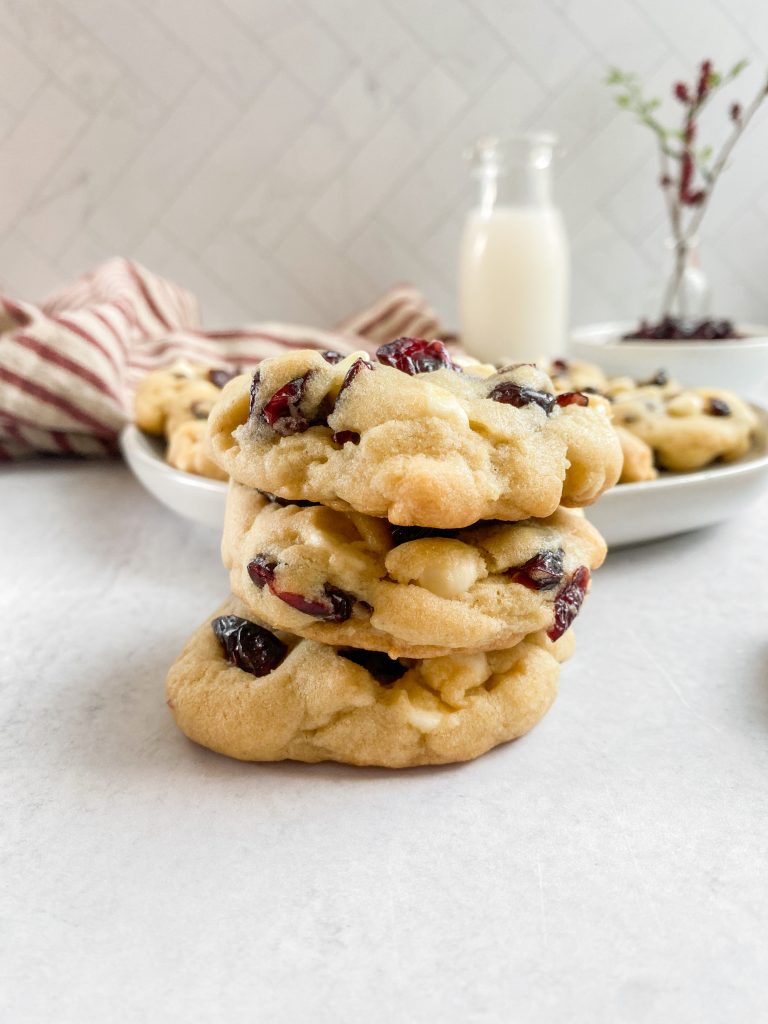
x=514, y=283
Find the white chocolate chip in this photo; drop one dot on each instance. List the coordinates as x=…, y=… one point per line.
x=445, y=406
x=685, y=404
x=619, y=385
x=425, y=721
x=452, y=676
x=447, y=568
x=598, y=403
x=325, y=527
x=630, y=411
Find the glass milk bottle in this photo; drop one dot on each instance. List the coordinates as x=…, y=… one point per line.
x=514, y=273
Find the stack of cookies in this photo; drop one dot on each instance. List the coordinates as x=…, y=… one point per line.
x=406, y=554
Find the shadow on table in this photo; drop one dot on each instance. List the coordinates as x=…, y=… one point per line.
x=216, y=765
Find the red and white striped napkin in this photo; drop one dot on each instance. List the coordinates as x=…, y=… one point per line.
x=69, y=367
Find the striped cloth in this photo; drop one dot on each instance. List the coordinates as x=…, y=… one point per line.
x=69, y=367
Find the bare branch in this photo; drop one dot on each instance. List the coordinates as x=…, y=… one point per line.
x=688, y=192
x=722, y=158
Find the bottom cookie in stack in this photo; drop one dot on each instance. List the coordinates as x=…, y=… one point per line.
x=257, y=695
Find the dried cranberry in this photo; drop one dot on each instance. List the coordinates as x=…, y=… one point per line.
x=357, y=367
x=559, y=366
x=542, y=572
x=717, y=330
x=335, y=606
x=282, y=412
x=261, y=569
x=254, y=392
x=331, y=356
x=515, y=394
x=385, y=670
x=221, y=377
x=572, y=398
x=658, y=380
x=672, y=328
x=252, y=648
x=342, y=437
x=717, y=407
x=415, y=355
x=405, y=534
x=284, y=502
x=568, y=602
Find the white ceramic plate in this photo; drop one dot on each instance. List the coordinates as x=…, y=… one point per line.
x=740, y=366
x=679, y=502
x=628, y=514
x=194, y=497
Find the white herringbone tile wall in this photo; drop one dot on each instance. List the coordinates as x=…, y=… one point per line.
x=291, y=158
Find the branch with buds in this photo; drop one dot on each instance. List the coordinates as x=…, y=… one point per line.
x=688, y=174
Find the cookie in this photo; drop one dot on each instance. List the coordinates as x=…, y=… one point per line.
x=575, y=375
x=176, y=401
x=259, y=696
x=188, y=451
x=687, y=428
x=170, y=396
x=346, y=578
x=637, y=458
x=413, y=438
x=678, y=429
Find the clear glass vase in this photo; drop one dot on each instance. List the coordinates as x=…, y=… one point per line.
x=684, y=292
x=514, y=266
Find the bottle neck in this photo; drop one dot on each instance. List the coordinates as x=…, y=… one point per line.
x=515, y=171
x=514, y=185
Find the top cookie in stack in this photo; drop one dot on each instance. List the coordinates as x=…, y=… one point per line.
x=413, y=437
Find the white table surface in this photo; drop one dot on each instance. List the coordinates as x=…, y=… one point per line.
x=611, y=866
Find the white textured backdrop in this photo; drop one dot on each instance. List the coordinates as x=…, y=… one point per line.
x=290, y=158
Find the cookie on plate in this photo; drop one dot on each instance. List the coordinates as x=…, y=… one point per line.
x=575, y=375
x=176, y=402
x=658, y=421
x=637, y=464
x=255, y=695
x=188, y=450
x=170, y=394
x=411, y=437
x=347, y=578
x=687, y=428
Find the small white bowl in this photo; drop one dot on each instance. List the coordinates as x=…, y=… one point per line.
x=194, y=497
x=740, y=365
